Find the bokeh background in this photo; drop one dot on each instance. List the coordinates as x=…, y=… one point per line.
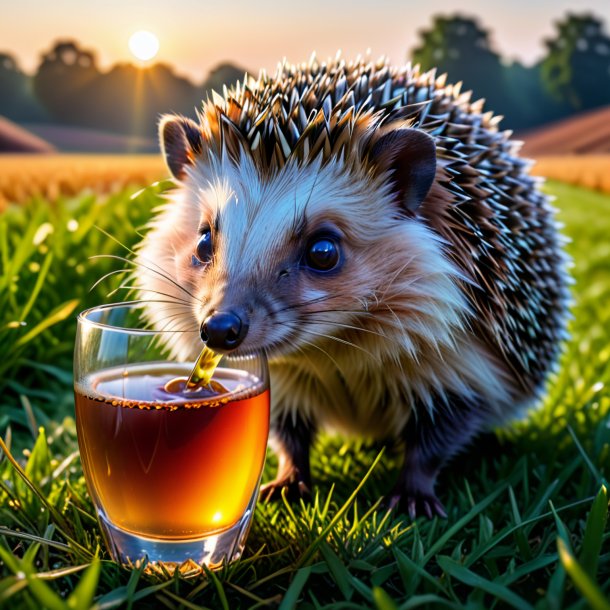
x=70, y=78
x=80, y=174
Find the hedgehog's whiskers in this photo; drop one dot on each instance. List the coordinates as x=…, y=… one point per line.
x=173, y=298
x=323, y=335
x=161, y=271
x=137, y=263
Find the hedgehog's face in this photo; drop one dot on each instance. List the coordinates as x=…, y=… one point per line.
x=276, y=263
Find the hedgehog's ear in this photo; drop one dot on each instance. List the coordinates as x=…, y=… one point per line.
x=410, y=157
x=181, y=141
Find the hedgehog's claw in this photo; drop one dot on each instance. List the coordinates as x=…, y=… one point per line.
x=417, y=503
x=294, y=484
x=414, y=492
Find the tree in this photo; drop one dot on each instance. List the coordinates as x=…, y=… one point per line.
x=528, y=102
x=130, y=100
x=223, y=74
x=576, y=69
x=459, y=46
x=17, y=101
x=125, y=99
x=60, y=79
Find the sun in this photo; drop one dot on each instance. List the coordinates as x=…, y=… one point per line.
x=143, y=45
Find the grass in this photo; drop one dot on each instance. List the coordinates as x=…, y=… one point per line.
x=527, y=508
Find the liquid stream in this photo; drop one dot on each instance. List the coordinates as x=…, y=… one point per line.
x=200, y=380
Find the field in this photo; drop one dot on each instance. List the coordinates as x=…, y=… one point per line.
x=527, y=507
x=49, y=176
x=589, y=171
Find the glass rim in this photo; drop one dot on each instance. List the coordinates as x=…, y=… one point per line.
x=84, y=319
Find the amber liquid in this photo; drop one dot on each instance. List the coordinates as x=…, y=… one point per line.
x=164, y=466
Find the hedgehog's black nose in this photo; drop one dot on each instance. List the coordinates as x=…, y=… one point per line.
x=224, y=330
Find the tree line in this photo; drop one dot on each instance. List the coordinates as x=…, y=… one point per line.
x=69, y=88
x=572, y=76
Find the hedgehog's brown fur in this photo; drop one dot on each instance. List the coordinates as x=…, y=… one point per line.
x=484, y=203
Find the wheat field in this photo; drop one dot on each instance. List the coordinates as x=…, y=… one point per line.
x=588, y=171
x=49, y=176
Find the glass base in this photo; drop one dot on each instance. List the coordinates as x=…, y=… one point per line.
x=212, y=550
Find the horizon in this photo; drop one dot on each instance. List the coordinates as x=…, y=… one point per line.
x=263, y=36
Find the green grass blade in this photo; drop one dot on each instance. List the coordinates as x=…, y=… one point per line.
x=59, y=314
x=24, y=248
x=39, y=464
x=382, y=600
x=57, y=517
x=5, y=531
x=520, y=537
x=46, y=597
x=429, y=600
x=310, y=551
x=290, y=599
x=587, y=587
x=258, y=600
x=59, y=520
x=132, y=585
x=408, y=568
x=117, y=597
x=218, y=586
x=9, y=587
x=113, y=599
x=29, y=415
x=585, y=457
x=555, y=591
x=13, y=563
x=527, y=568
x=82, y=596
x=62, y=375
x=594, y=533
x=463, y=574
x=30, y=555
x=461, y=523
x=564, y=534
x=42, y=274
x=338, y=570
x=500, y=536
x=44, y=594
x=4, y=276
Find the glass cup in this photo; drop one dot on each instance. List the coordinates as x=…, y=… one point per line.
x=174, y=476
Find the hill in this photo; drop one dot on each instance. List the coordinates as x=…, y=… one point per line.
x=80, y=139
x=16, y=139
x=587, y=133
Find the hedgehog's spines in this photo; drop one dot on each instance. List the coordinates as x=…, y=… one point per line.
x=484, y=204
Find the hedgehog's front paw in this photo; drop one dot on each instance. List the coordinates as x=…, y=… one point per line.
x=294, y=483
x=417, y=503
x=414, y=492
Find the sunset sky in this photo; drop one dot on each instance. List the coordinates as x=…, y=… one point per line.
x=195, y=35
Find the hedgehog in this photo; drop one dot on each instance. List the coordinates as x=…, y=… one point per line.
x=372, y=230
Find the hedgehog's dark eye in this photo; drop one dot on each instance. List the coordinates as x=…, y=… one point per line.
x=203, y=251
x=322, y=254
